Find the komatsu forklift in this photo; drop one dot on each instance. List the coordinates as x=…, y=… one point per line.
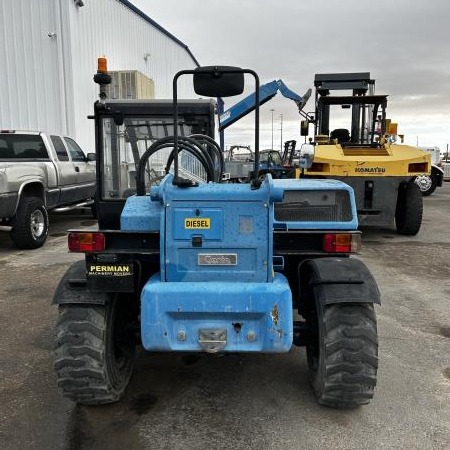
x=360, y=152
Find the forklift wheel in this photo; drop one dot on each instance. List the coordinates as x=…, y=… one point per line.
x=343, y=360
x=427, y=184
x=408, y=213
x=262, y=174
x=95, y=351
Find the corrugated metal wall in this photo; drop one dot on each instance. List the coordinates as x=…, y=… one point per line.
x=30, y=86
x=48, y=54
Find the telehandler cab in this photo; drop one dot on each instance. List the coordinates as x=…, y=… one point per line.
x=193, y=266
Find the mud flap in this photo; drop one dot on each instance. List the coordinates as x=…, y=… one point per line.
x=338, y=280
x=72, y=289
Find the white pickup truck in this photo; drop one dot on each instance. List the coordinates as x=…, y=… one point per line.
x=41, y=173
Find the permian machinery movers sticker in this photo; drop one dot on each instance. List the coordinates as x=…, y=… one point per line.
x=110, y=270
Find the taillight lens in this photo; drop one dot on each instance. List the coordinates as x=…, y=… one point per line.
x=342, y=243
x=418, y=167
x=86, y=242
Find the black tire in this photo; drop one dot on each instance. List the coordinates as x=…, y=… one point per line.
x=30, y=226
x=94, y=352
x=409, y=210
x=262, y=174
x=343, y=359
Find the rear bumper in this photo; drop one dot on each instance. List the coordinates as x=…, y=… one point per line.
x=245, y=317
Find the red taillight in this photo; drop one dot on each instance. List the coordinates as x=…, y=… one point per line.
x=341, y=243
x=86, y=242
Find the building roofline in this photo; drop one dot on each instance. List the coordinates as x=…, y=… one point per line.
x=160, y=28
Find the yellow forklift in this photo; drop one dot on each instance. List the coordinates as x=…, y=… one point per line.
x=361, y=151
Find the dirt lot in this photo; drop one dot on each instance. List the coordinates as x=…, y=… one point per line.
x=237, y=401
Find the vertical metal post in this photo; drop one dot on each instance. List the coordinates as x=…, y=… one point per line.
x=281, y=131
x=272, y=110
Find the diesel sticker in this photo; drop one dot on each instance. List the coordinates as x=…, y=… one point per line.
x=110, y=270
x=197, y=224
x=217, y=259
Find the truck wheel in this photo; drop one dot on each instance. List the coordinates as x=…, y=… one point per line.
x=95, y=351
x=30, y=226
x=408, y=213
x=427, y=184
x=343, y=359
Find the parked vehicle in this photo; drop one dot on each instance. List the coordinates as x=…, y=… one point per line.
x=211, y=267
x=41, y=173
x=429, y=182
x=363, y=154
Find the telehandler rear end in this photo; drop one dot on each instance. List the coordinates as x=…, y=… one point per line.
x=189, y=266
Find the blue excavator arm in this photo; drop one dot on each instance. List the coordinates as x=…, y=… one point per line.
x=266, y=92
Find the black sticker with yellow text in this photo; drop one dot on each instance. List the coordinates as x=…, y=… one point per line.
x=109, y=270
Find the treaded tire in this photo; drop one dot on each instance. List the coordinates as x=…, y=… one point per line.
x=343, y=361
x=94, y=352
x=409, y=210
x=30, y=226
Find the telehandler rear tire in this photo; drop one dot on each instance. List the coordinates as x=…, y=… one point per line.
x=343, y=359
x=94, y=352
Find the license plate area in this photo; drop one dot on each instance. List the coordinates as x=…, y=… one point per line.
x=109, y=273
x=212, y=340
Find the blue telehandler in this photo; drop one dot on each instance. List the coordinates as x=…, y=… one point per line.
x=182, y=265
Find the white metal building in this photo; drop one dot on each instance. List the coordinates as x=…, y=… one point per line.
x=49, y=51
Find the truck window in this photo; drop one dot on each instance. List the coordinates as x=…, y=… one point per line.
x=22, y=147
x=61, y=151
x=75, y=150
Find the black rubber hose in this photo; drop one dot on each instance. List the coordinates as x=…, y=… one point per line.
x=140, y=171
x=187, y=144
x=193, y=147
x=217, y=150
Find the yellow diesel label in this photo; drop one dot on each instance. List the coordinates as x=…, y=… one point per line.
x=197, y=224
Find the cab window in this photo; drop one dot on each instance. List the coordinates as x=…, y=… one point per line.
x=61, y=152
x=75, y=151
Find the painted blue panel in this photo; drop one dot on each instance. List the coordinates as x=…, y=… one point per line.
x=262, y=311
x=141, y=214
x=241, y=229
x=245, y=218
x=317, y=185
x=217, y=191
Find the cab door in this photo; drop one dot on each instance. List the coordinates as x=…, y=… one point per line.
x=67, y=175
x=84, y=169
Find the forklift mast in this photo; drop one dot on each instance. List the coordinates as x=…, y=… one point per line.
x=363, y=102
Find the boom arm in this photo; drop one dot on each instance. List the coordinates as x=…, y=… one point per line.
x=266, y=92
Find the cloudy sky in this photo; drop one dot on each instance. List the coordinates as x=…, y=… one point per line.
x=404, y=44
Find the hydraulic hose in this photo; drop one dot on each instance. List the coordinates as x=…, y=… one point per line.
x=190, y=145
x=219, y=162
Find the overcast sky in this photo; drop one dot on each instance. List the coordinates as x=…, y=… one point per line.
x=404, y=44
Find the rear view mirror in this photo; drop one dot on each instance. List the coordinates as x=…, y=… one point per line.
x=218, y=81
x=91, y=157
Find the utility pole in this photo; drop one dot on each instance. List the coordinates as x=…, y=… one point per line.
x=281, y=131
x=272, y=110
